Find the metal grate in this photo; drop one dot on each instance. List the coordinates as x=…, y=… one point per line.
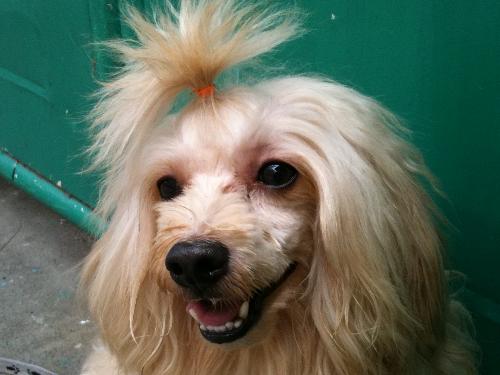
x=11, y=367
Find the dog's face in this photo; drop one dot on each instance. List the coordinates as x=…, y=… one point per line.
x=274, y=206
x=234, y=211
x=290, y=191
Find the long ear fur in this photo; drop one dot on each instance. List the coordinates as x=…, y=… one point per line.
x=376, y=283
x=185, y=48
x=380, y=255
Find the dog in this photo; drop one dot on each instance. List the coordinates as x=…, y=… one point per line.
x=278, y=227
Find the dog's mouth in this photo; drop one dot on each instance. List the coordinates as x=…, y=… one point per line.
x=223, y=322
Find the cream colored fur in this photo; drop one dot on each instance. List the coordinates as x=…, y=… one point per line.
x=369, y=292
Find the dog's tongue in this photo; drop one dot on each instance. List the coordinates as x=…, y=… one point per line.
x=210, y=315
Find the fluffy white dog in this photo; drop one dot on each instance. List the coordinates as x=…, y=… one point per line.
x=275, y=228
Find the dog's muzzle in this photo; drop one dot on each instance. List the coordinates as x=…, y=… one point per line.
x=197, y=266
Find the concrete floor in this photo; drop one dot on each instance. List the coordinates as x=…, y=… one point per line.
x=40, y=320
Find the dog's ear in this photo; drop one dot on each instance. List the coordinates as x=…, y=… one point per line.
x=135, y=319
x=115, y=269
x=376, y=280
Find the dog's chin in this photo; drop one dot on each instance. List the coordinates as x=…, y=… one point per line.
x=227, y=321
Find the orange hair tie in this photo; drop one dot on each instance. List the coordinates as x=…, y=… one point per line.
x=205, y=91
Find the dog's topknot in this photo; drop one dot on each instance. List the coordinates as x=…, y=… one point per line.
x=190, y=46
x=180, y=48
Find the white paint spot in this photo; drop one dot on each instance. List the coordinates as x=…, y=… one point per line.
x=59, y=183
x=333, y=17
x=78, y=346
x=37, y=319
x=84, y=322
x=67, y=111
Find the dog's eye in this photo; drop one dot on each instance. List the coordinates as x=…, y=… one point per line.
x=169, y=188
x=277, y=174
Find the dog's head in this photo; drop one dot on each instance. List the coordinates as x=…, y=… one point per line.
x=256, y=209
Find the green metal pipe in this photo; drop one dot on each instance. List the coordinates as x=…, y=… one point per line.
x=50, y=195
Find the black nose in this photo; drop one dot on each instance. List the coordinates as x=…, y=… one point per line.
x=197, y=265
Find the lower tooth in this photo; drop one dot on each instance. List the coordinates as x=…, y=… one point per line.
x=202, y=327
x=220, y=329
x=237, y=323
x=229, y=325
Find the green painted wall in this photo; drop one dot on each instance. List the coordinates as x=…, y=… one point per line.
x=434, y=63
x=46, y=73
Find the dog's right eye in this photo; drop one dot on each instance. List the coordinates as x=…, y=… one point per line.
x=277, y=174
x=169, y=188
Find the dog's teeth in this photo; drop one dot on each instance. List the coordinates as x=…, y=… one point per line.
x=244, y=310
x=220, y=329
x=237, y=323
x=193, y=314
x=213, y=328
x=229, y=325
